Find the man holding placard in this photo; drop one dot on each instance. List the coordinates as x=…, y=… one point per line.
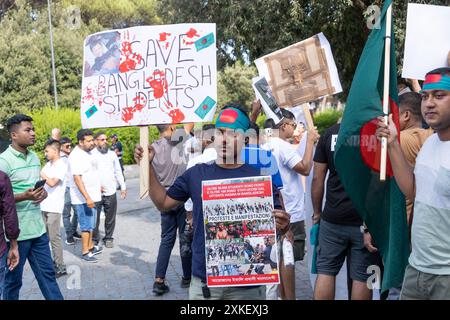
x=229, y=141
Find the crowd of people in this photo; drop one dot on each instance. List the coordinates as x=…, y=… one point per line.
x=225, y=251
x=84, y=181
x=75, y=185
x=237, y=208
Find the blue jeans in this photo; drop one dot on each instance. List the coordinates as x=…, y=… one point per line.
x=69, y=226
x=2, y=271
x=170, y=222
x=37, y=251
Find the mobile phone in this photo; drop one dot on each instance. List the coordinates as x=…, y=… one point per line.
x=39, y=184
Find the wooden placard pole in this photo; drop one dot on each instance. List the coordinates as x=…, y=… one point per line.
x=387, y=62
x=308, y=117
x=144, y=173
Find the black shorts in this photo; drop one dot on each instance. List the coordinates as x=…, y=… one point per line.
x=298, y=229
x=337, y=242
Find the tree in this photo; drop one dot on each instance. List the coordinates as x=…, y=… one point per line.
x=24, y=69
x=235, y=85
x=118, y=13
x=248, y=29
x=25, y=63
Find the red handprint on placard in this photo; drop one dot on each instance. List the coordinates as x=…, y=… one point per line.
x=159, y=83
x=128, y=59
x=163, y=39
x=175, y=113
x=191, y=34
x=139, y=102
x=89, y=96
x=127, y=114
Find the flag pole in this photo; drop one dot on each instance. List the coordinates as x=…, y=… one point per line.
x=387, y=62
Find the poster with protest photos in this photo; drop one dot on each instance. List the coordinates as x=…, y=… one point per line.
x=149, y=75
x=240, y=232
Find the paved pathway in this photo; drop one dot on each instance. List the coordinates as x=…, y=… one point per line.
x=127, y=270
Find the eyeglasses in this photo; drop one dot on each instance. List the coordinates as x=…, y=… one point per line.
x=293, y=124
x=67, y=146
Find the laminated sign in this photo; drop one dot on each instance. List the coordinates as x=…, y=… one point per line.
x=240, y=232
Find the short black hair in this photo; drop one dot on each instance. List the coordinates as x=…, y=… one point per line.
x=402, y=81
x=53, y=143
x=81, y=134
x=208, y=126
x=65, y=140
x=269, y=124
x=286, y=115
x=98, y=134
x=411, y=101
x=253, y=130
x=162, y=127
x=16, y=120
x=238, y=106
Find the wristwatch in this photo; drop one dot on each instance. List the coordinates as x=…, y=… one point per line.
x=364, y=229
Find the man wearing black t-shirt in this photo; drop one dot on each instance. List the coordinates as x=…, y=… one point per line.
x=340, y=234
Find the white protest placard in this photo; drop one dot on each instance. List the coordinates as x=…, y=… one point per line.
x=427, y=40
x=302, y=116
x=149, y=75
x=302, y=72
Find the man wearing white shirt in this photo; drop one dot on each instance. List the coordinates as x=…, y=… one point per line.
x=85, y=191
x=110, y=175
x=54, y=172
x=292, y=164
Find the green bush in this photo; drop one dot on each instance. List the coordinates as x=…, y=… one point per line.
x=322, y=120
x=68, y=121
x=326, y=119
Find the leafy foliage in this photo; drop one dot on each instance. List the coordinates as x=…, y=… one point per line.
x=68, y=121
x=326, y=119
x=248, y=29
x=235, y=85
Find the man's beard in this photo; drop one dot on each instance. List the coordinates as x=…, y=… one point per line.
x=103, y=150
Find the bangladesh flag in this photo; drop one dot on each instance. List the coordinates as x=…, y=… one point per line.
x=357, y=156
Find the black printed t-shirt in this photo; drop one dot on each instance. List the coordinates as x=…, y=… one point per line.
x=338, y=206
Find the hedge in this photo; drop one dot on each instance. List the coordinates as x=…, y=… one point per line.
x=326, y=119
x=68, y=121
x=322, y=120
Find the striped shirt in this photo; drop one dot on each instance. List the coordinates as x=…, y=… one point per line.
x=24, y=171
